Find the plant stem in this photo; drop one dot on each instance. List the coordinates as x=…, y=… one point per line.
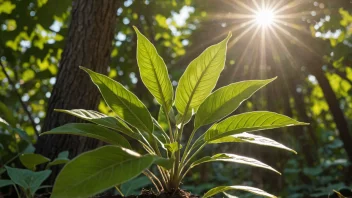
x=156, y=147
x=186, y=152
x=189, y=160
x=18, y=193
x=169, y=124
x=164, y=176
x=150, y=177
x=118, y=190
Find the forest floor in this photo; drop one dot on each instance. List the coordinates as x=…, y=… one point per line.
x=149, y=194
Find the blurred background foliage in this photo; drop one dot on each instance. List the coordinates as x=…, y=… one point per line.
x=311, y=45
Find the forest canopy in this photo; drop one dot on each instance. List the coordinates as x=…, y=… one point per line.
x=306, y=45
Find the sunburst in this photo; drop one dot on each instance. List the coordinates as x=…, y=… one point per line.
x=267, y=28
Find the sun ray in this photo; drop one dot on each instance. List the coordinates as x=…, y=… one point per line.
x=293, y=38
x=294, y=26
x=277, y=4
x=248, y=45
x=231, y=16
x=288, y=6
x=243, y=5
x=262, y=63
x=236, y=39
x=256, y=4
x=287, y=53
x=270, y=29
x=297, y=15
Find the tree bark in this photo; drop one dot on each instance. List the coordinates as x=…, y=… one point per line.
x=338, y=115
x=89, y=44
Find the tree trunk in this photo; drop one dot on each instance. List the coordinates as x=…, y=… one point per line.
x=338, y=115
x=314, y=63
x=89, y=44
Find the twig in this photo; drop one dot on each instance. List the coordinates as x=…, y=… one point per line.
x=20, y=99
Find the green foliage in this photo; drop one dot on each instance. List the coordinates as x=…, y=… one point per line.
x=200, y=79
x=62, y=158
x=252, y=121
x=31, y=49
x=110, y=166
x=220, y=189
x=30, y=181
x=226, y=100
x=226, y=157
x=124, y=103
x=97, y=170
x=153, y=72
x=93, y=131
x=31, y=160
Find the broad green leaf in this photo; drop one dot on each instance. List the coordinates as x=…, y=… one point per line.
x=153, y=71
x=173, y=147
x=31, y=160
x=62, y=158
x=226, y=157
x=250, y=138
x=103, y=120
x=226, y=100
x=27, y=179
x=95, y=171
x=92, y=131
x=246, y=122
x=220, y=189
x=123, y=102
x=4, y=182
x=200, y=78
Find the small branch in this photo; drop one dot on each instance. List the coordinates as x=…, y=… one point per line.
x=20, y=99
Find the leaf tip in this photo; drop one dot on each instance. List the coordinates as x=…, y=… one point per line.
x=304, y=123
x=44, y=133
x=136, y=30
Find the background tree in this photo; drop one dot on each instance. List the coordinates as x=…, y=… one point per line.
x=89, y=43
x=310, y=54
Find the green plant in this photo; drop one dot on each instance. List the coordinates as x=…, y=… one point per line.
x=108, y=166
x=28, y=179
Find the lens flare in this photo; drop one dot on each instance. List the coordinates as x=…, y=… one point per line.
x=264, y=17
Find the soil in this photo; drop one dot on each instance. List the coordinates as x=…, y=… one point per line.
x=144, y=194
x=150, y=194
